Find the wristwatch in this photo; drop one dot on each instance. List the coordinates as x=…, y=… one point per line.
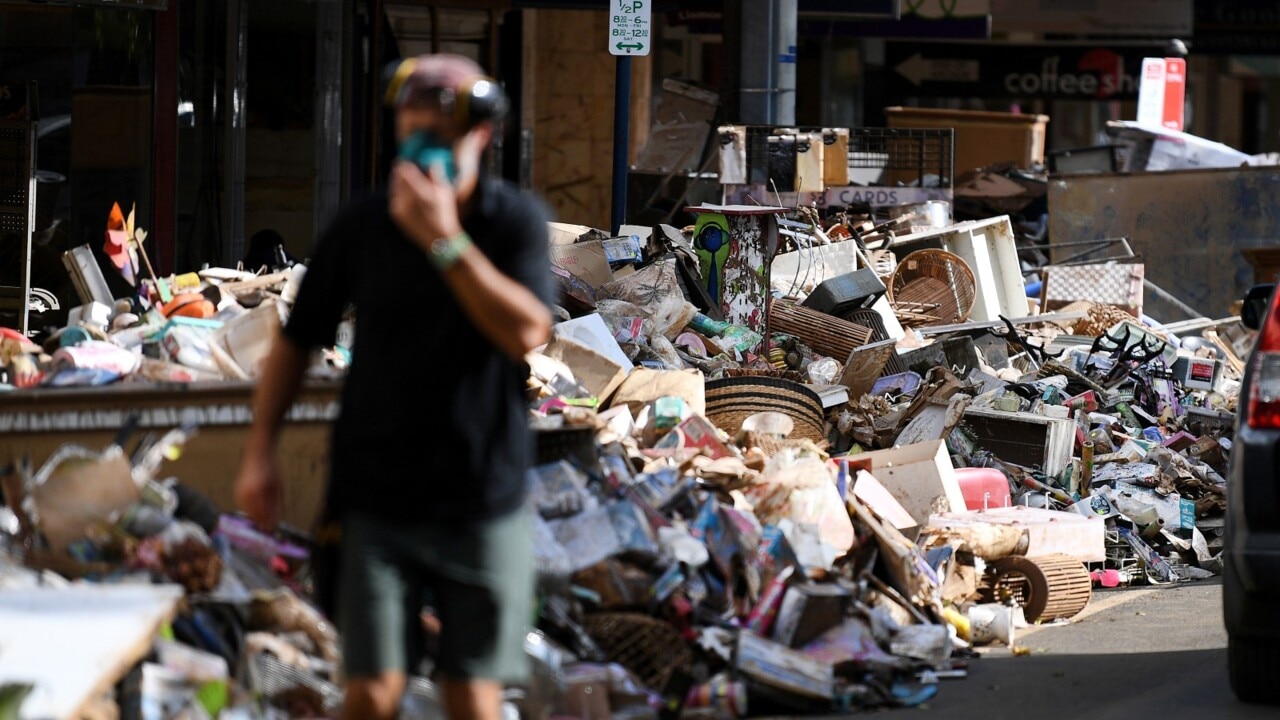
x=445, y=251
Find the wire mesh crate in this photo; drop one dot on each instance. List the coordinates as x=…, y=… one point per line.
x=876, y=156
x=905, y=155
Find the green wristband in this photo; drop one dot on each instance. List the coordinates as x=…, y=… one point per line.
x=444, y=252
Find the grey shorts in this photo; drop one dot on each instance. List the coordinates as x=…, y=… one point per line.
x=481, y=580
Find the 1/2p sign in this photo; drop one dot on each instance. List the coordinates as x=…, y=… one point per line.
x=629, y=22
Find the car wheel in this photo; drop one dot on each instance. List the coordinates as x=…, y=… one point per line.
x=1254, y=665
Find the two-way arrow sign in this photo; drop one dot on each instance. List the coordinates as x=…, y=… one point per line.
x=637, y=47
x=919, y=69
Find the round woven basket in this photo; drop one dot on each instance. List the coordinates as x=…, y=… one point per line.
x=651, y=649
x=791, y=375
x=732, y=400
x=937, y=282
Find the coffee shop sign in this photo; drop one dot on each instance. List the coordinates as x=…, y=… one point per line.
x=1097, y=74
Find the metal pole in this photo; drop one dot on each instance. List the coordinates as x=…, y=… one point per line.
x=328, y=114
x=237, y=90
x=1160, y=293
x=621, y=139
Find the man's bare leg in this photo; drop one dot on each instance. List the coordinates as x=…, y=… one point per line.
x=472, y=699
x=374, y=698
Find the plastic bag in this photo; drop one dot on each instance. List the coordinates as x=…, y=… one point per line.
x=552, y=563
x=632, y=529
x=663, y=348
x=824, y=371
x=678, y=545
x=559, y=490
x=587, y=537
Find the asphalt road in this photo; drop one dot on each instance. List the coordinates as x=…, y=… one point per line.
x=1144, y=652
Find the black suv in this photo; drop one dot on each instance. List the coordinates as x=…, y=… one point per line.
x=1251, y=575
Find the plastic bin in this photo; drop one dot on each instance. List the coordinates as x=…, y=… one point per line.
x=983, y=488
x=982, y=138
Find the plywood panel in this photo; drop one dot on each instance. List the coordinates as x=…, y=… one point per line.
x=569, y=76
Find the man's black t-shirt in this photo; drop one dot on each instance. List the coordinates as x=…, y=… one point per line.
x=433, y=423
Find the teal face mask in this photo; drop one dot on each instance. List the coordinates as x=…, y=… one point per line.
x=425, y=149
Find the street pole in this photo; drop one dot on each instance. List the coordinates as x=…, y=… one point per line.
x=621, y=139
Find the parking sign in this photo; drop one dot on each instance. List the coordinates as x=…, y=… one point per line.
x=629, y=22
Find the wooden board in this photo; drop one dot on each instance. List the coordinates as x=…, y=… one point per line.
x=75, y=642
x=865, y=365
x=39, y=422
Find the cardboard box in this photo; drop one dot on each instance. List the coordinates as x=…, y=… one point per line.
x=586, y=692
x=586, y=260
x=247, y=339
x=698, y=432
x=565, y=233
x=590, y=330
x=919, y=476
x=808, y=611
x=835, y=161
x=872, y=493
x=599, y=374
x=778, y=666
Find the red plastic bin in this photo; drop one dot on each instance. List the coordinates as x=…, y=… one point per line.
x=983, y=488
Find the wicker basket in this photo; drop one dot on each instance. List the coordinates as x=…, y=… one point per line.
x=933, y=287
x=826, y=334
x=732, y=400
x=651, y=649
x=790, y=375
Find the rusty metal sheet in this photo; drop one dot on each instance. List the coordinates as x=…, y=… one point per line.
x=1190, y=226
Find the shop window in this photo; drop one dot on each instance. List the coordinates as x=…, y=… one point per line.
x=89, y=70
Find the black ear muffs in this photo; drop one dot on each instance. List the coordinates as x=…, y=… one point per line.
x=483, y=101
x=394, y=76
x=480, y=100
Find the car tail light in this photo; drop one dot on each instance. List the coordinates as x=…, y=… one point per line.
x=1264, y=394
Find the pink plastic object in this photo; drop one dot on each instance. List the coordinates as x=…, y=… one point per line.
x=983, y=488
x=1106, y=578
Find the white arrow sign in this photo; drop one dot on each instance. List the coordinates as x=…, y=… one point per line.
x=629, y=27
x=919, y=69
